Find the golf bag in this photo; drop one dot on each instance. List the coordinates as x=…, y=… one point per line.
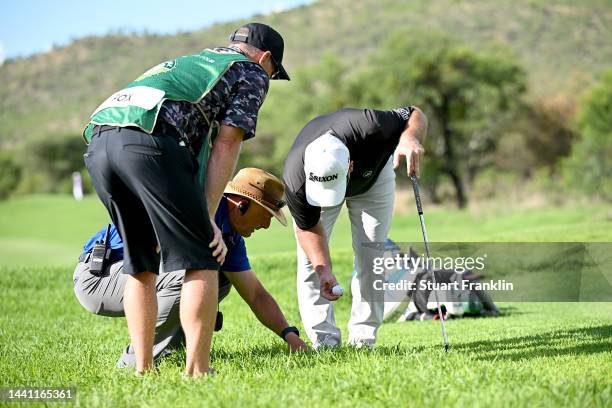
x=419, y=303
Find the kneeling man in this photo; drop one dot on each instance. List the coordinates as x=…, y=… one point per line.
x=249, y=202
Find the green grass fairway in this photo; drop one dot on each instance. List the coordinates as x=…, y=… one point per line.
x=51, y=230
x=536, y=354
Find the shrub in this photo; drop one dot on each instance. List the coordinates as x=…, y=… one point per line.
x=589, y=167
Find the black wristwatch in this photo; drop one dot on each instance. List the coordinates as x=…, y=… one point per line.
x=290, y=329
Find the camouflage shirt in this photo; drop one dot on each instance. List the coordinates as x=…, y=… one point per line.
x=234, y=101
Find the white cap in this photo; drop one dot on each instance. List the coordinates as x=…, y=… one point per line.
x=326, y=164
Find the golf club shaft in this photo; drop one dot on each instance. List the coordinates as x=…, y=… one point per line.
x=417, y=198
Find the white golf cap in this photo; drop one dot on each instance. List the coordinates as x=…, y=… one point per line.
x=326, y=164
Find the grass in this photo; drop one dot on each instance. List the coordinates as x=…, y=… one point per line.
x=50, y=230
x=537, y=354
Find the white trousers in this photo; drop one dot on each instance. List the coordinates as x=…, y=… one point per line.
x=370, y=215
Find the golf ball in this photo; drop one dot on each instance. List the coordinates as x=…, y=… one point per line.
x=337, y=290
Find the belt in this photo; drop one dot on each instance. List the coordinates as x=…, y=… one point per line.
x=161, y=129
x=115, y=255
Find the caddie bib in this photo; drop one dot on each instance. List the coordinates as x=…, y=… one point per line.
x=187, y=78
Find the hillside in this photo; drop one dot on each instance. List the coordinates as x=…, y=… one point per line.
x=562, y=44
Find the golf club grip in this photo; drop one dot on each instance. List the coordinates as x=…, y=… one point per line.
x=417, y=196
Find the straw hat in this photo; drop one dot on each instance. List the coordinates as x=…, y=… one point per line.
x=261, y=187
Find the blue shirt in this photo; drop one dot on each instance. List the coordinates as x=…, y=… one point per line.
x=115, y=242
x=236, y=259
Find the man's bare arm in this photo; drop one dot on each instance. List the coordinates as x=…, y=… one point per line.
x=219, y=169
x=410, y=143
x=417, y=125
x=221, y=164
x=263, y=305
x=314, y=243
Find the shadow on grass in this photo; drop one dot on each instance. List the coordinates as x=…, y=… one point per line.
x=590, y=340
x=510, y=311
x=580, y=341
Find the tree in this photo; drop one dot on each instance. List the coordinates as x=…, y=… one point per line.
x=468, y=95
x=48, y=163
x=538, y=138
x=10, y=174
x=313, y=90
x=589, y=167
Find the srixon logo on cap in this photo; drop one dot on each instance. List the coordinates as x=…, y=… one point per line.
x=323, y=179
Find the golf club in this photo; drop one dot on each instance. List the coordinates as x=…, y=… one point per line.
x=417, y=198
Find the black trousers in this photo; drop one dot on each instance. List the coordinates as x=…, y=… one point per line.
x=148, y=184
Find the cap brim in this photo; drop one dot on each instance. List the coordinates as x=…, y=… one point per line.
x=282, y=73
x=325, y=197
x=278, y=214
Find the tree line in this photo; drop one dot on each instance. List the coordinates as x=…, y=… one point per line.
x=481, y=120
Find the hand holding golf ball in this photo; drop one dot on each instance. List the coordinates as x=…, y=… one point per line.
x=330, y=289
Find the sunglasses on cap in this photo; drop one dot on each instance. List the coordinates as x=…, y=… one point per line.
x=277, y=204
x=280, y=203
x=276, y=70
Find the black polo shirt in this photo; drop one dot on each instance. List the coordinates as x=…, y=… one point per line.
x=370, y=136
